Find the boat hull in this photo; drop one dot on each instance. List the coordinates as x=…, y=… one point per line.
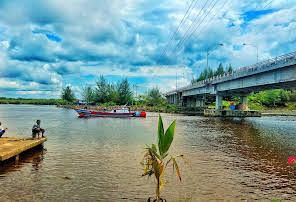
x=84, y=113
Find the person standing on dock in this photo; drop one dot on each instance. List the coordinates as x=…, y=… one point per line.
x=36, y=130
x=2, y=130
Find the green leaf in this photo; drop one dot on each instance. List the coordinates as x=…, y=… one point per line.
x=160, y=134
x=168, y=138
x=153, y=151
x=153, y=147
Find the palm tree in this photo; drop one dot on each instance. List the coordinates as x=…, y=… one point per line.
x=155, y=158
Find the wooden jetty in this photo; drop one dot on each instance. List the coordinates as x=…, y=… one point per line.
x=231, y=113
x=13, y=147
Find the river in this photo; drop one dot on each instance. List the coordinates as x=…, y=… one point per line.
x=98, y=159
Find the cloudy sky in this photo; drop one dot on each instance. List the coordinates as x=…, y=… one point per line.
x=46, y=45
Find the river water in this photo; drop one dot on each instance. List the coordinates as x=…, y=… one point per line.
x=98, y=159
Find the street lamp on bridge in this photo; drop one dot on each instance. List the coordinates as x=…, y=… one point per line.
x=209, y=51
x=254, y=45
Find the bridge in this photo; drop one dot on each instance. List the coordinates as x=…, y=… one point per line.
x=275, y=73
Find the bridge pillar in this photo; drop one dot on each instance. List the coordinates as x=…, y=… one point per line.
x=200, y=102
x=219, y=99
x=244, y=102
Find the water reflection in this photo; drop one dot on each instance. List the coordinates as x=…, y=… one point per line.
x=257, y=149
x=34, y=157
x=256, y=144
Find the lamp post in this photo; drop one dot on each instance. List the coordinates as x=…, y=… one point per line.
x=209, y=51
x=245, y=44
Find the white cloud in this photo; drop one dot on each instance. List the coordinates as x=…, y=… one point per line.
x=144, y=71
x=127, y=38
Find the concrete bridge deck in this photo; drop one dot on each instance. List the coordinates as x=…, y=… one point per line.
x=13, y=147
x=275, y=73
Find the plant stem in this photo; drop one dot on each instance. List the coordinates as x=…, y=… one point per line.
x=157, y=190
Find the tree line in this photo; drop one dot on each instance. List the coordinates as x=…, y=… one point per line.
x=210, y=73
x=274, y=98
x=107, y=93
x=119, y=93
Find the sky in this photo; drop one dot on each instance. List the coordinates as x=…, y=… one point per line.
x=47, y=45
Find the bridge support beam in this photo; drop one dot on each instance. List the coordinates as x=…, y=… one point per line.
x=200, y=103
x=175, y=98
x=244, y=102
x=219, y=104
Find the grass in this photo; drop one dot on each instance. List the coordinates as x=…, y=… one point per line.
x=32, y=101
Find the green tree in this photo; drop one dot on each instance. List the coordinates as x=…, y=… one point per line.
x=292, y=95
x=155, y=97
x=67, y=94
x=210, y=73
x=125, y=95
x=101, y=90
x=271, y=98
x=203, y=75
x=230, y=69
x=88, y=94
x=112, y=94
x=220, y=70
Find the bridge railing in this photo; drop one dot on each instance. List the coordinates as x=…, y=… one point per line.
x=261, y=66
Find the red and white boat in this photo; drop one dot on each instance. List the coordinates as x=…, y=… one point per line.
x=116, y=113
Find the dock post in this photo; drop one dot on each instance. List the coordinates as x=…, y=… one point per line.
x=17, y=158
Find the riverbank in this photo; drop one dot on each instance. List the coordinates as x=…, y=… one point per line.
x=289, y=110
x=278, y=113
x=161, y=109
x=33, y=101
x=178, y=110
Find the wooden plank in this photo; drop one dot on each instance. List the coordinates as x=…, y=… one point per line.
x=10, y=147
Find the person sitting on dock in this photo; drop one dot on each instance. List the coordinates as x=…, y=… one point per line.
x=2, y=130
x=36, y=130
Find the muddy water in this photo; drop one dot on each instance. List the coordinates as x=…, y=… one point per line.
x=98, y=159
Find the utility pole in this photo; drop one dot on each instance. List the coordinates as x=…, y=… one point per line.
x=208, y=52
x=135, y=86
x=136, y=91
x=207, y=58
x=176, y=81
x=257, y=49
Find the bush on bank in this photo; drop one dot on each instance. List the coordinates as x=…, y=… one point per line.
x=33, y=101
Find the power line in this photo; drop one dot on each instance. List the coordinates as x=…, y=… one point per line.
x=196, y=27
x=213, y=17
x=212, y=4
x=199, y=14
x=187, y=14
x=267, y=4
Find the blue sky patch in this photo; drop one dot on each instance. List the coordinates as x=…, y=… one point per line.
x=255, y=14
x=53, y=37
